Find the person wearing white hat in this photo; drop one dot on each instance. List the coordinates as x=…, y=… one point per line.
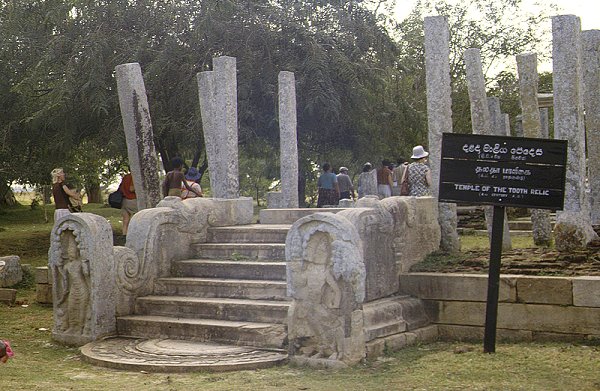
x=345, y=184
x=419, y=174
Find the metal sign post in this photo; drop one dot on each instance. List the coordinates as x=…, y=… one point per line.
x=491, y=309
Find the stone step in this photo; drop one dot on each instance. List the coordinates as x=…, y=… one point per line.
x=254, y=233
x=266, y=335
x=393, y=315
x=210, y=268
x=221, y=287
x=262, y=251
x=289, y=216
x=172, y=355
x=269, y=311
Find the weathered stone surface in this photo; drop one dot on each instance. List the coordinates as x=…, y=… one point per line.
x=496, y=117
x=544, y=120
x=439, y=117
x=586, y=291
x=507, y=125
x=43, y=275
x=288, y=139
x=346, y=203
x=532, y=127
x=381, y=346
x=533, y=317
x=138, y=133
x=573, y=226
x=171, y=355
x=217, y=91
x=518, y=126
x=11, y=272
x=8, y=296
x=274, y=200
x=326, y=280
x=474, y=333
x=82, y=265
x=289, y=216
x=375, y=229
x=481, y=122
x=545, y=290
x=43, y=293
x=416, y=228
x=462, y=287
x=591, y=84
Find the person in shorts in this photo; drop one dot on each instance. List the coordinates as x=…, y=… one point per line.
x=129, y=206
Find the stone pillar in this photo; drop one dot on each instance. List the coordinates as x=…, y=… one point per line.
x=591, y=82
x=544, y=120
x=481, y=122
x=288, y=140
x=506, y=125
x=573, y=227
x=497, y=119
x=439, y=118
x=519, y=126
x=217, y=90
x=532, y=127
x=138, y=134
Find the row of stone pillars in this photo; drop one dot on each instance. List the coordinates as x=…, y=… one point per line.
x=217, y=91
x=576, y=79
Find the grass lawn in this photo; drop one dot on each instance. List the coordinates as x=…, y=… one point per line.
x=41, y=364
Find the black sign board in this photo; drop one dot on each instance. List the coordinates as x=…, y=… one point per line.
x=504, y=171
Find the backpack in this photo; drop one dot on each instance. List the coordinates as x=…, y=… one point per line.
x=115, y=199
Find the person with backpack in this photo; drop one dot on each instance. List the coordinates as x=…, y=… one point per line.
x=129, y=203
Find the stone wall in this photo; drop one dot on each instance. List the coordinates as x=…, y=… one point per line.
x=530, y=308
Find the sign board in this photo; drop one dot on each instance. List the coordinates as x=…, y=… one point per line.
x=503, y=171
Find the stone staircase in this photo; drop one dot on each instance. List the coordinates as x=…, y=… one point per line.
x=233, y=292
x=226, y=309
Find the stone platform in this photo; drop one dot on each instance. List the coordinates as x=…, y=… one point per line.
x=171, y=355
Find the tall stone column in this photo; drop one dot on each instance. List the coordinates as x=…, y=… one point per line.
x=591, y=82
x=481, y=122
x=545, y=122
x=288, y=140
x=439, y=118
x=497, y=119
x=532, y=127
x=217, y=90
x=138, y=134
x=573, y=227
x=506, y=125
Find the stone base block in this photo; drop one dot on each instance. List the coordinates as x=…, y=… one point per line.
x=382, y=346
x=8, y=296
x=586, y=291
x=43, y=293
x=475, y=334
x=42, y=275
x=11, y=272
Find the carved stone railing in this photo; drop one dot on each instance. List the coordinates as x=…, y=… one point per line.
x=338, y=262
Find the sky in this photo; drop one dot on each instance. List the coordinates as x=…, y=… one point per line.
x=587, y=10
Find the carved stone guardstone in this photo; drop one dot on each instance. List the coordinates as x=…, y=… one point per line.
x=82, y=266
x=326, y=280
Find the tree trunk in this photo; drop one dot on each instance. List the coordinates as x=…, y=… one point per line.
x=7, y=197
x=93, y=193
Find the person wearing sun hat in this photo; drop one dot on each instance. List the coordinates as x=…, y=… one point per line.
x=419, y=174
x=191, y=176
x=345, y=184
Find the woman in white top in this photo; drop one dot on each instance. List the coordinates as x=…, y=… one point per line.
x=191, y=176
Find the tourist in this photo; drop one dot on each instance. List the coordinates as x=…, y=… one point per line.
x=345, y=184
x=191, y=176
x=363, y=179
x=61, y=193
x=419, y=174
x=398, y=173
x=384, y=180
x=5, y=351
x=129, y=205
x=329, y=191
x=174, y=181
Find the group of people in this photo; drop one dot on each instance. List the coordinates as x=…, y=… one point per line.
x=415, y=176
x=176, y=183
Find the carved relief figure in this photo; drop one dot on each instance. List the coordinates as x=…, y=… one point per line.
x=73, y=301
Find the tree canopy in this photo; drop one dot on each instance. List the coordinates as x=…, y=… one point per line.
x=360, y=78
